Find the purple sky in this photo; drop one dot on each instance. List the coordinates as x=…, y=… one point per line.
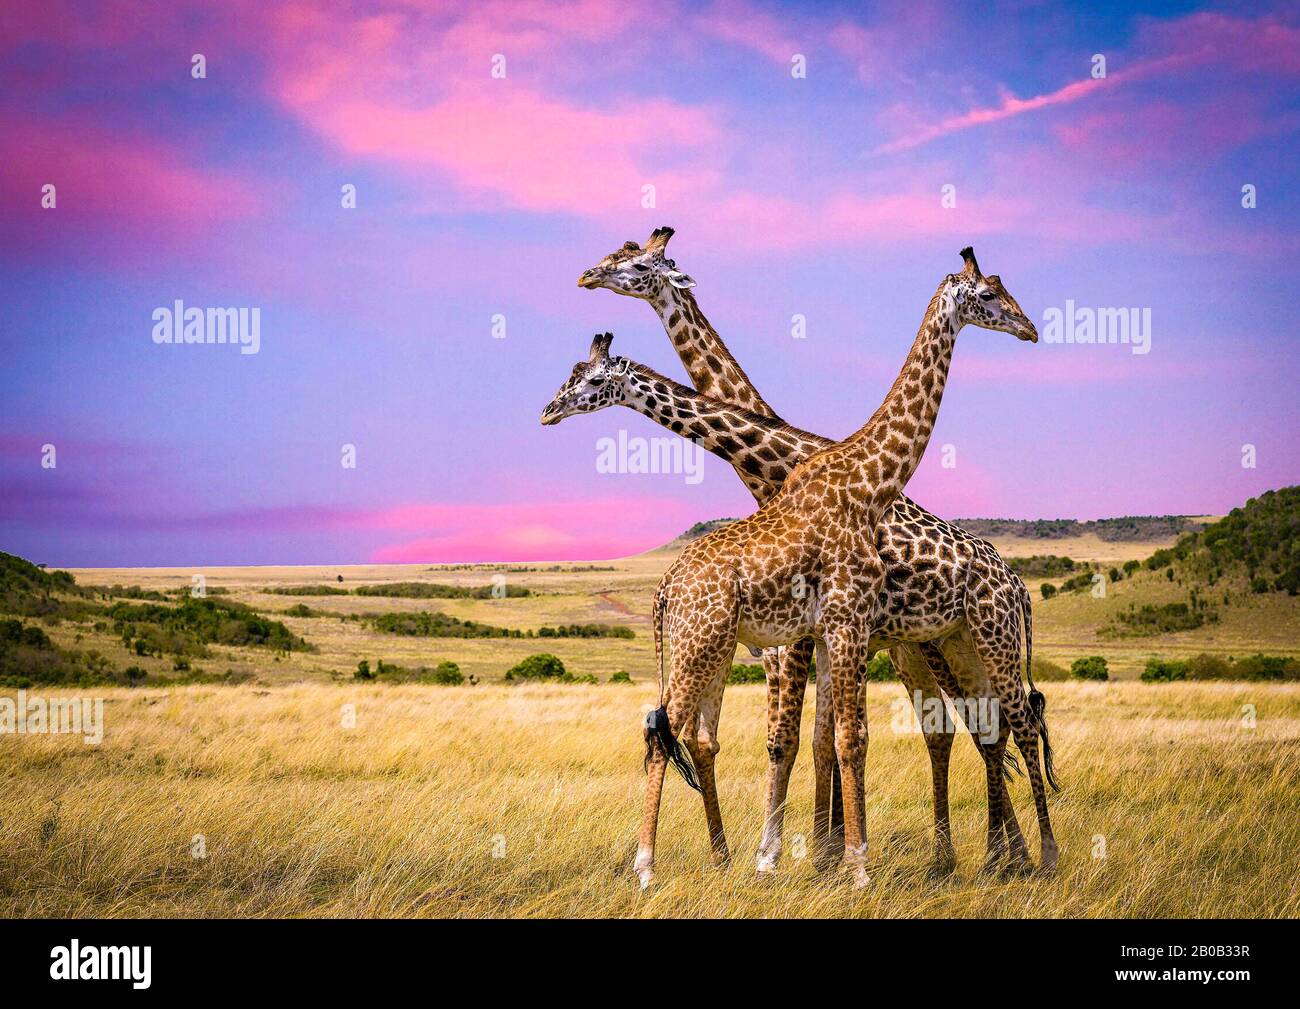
x=479, y=196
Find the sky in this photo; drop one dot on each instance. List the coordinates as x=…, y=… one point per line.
x=817, y=161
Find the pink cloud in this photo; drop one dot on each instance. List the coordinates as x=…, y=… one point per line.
x=526, y=150
x=530, y=530
x=1229, y=43
x=110, y=182
x=742, y=24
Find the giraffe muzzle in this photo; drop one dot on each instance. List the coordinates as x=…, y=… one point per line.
x=589, y=280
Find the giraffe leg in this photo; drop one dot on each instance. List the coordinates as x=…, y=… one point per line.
x=703, y=747
x=847, y=646
x=1019, y=861
x=783, y=727
x=913, y=664
x=699, y=662
x=1025, y=728
x=828, y=837
x=969, y=679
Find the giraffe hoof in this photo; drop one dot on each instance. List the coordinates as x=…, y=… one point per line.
x=646, y=875
x=766, y=863
x=941, y=868
x=1018, y=869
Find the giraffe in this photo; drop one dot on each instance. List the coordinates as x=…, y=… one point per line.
x=929, y=566
x=648, y=274
x=735, y=584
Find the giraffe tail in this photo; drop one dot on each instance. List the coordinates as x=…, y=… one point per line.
x=658, y=729
x=1037, y=702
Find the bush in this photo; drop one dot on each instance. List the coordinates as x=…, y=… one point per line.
x=1208, y=667
x=620, y=677
x=434, y=590
x=1130, y=567
x=1091, y=667
x=305, y=590
x=439, y=625
x=185, y=628
x=363, y=671
x=741, y=673
x=1166, y=618
x=542, y=666
x=1041, y=566
x=1048, y=590
x=1115, y=574
x=448, y=674
x=1267, y=667
x=1048, y=671
x=880, y=668
x=1161, y=671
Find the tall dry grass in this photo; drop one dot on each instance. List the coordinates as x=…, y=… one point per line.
x=402, y=815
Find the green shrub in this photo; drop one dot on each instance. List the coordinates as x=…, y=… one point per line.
x=1048, y=590
x=1166, y=618
x=194, y=622
x=880, y=668
x=1162, y=671
x=439, y=625
x=620, y=677
x=304, y=590
x=434, y=590
x=542, y=666
x=1091, y=667
x=1131, y=566
x=448, y=674
x=1115, y=574
x=363, y=671
x=1208, y=667
x=1041, y=566
x=586, y=631
x=742, y=673
x=1267, y=667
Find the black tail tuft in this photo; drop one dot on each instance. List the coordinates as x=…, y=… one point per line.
x=657, y=730
x=1038, y=707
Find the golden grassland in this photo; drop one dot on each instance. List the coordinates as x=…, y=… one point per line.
x=402, y=814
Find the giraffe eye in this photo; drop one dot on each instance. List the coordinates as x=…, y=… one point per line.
x=987, y=296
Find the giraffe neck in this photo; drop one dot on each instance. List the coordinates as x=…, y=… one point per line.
x=888, y=448
x=761, y=448
x=713, y=370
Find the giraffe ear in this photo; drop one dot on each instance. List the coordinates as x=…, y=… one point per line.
x=680, y=280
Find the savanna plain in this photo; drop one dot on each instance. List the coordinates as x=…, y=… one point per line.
x=351, y=765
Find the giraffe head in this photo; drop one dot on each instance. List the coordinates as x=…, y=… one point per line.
x=637, y=272
x=594, y=384
x=983, y=301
